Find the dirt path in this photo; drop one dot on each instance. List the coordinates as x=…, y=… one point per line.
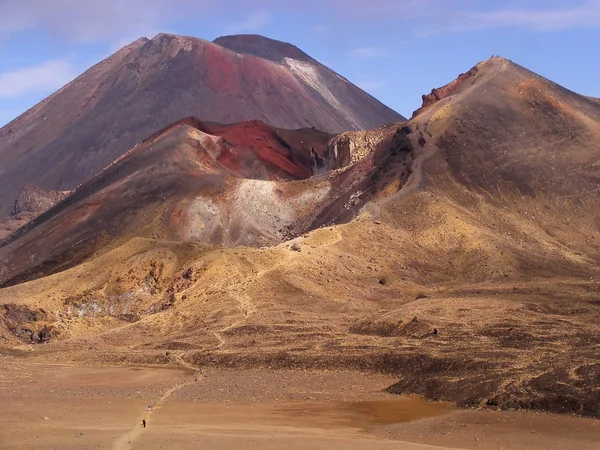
x=247, y=308
x=186, y=364
x=126, y=441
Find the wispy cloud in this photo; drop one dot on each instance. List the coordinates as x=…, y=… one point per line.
x=112, y=21
x=369, y=52
x=372, y=85
x=47, y=76
x=543, y=19
x=82, y=22
x=584, y=16
x=255, y=21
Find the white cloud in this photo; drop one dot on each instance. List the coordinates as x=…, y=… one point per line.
x=104, y=21
x=255, y=21
x=47, y=76
x=369, y=52
x=443, y=16
x=583, y=15
x=372, y=85
x=109, y=21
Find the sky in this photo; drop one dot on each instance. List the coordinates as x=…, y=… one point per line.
x=396, y=50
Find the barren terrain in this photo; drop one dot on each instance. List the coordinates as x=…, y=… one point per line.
x=64, y=406
x=453, y=256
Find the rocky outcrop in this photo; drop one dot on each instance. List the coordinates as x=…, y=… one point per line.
x=445, y=91
x=351, y=147
x=30, y=203
x=29, y=325
x=33, y=200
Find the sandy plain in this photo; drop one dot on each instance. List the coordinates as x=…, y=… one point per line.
x=52, y=406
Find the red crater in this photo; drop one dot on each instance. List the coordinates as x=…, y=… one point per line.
x=256, y=150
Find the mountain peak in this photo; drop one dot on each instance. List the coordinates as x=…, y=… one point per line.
x=163, y=41
x=477, y=73
x=263, y=47
x=150, y=84
x=169, y=36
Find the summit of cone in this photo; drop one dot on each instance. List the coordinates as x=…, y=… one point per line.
x=149, y=84
x=263, y=47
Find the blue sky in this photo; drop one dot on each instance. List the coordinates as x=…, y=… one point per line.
x=395, y=50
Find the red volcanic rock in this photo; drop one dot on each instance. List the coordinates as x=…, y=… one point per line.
x=445, y=91
x=76, y=132
x=256, y=150
x=274, y=148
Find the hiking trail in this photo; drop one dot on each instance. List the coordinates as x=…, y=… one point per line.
x=126, y=441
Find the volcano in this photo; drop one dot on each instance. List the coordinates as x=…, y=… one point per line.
x=193, y=181
x=457, y=250
x=70, y=136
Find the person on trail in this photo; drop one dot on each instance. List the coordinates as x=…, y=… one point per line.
x=144, y=423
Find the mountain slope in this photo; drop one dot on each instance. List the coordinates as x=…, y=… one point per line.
x=506, y=207
x=195, y=181
x=76, y=132
x=523, y=133
x=466, y=264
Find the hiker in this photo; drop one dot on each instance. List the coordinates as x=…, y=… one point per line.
x=144, y=423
